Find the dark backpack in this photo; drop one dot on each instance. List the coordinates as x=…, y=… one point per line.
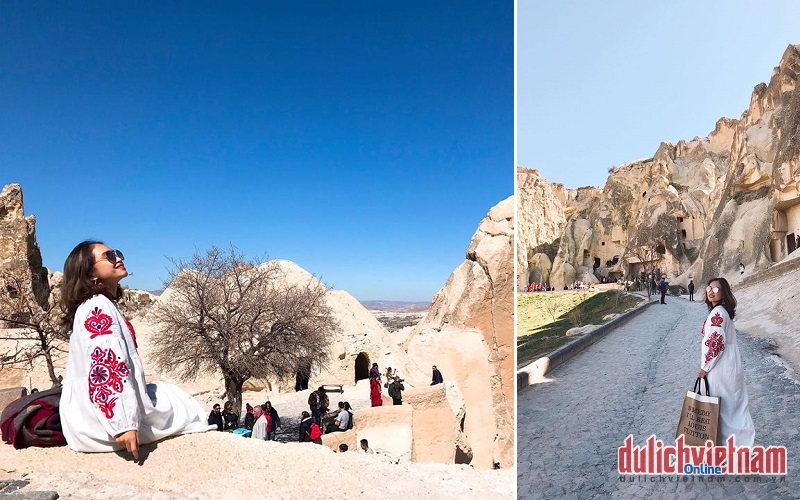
x=314, y=400
x=350, y=421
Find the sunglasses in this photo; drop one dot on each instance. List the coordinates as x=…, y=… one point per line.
x=714, y=289
x=113, y=255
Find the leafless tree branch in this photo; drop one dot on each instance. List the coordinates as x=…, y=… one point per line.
x=221, y=311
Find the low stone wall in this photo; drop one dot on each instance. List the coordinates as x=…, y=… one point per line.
x=779, y=269
x=423, y=429
x=535, y=372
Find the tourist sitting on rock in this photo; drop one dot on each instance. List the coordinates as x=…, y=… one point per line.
x=366, y=448
x=275, y=421
x=230, y=419
x=106, y=404
x=261, y=424
x=395, y=391
x=437, y=376
x=249, y=419
x=342, y=421
x=349, y=410
x=215, y=418
x=309, y=430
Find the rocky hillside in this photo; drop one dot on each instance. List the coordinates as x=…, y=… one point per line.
x=469, y=335
x=695, y=210
x=468, y=332
x=540, y=222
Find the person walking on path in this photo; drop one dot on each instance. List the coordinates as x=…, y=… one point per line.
x=691, y=290
x=721, y=363
x=662, y=285
x=396, y=391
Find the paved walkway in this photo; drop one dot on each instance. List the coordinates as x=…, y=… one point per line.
x=633, y=382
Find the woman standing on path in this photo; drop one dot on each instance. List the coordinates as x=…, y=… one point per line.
x=722, y=364
x=105, y=403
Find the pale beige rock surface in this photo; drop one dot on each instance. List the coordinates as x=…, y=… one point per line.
x=222, y=465
x=469, y=335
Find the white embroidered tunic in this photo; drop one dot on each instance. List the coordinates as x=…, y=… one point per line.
x=105, y=393
x=721, y=360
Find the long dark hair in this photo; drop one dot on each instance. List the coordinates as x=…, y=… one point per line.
x=728, y=301
x=77, y=285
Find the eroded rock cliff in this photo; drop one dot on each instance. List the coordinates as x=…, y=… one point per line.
x=469, y=335
x=695, y=210
x=20, y=257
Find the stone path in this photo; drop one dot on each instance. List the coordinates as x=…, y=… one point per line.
x=14, y=489
x=633, y=382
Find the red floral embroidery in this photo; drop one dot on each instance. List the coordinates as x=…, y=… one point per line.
x=133, y=333
x=105, y=379
x=716, y=344
x=98, y=323
x=716, y=320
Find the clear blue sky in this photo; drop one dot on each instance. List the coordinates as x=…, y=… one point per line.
x=363, y=140
x=604, y=83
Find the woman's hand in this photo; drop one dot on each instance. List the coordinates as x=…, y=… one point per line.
x=130, y=440
x=701, y=373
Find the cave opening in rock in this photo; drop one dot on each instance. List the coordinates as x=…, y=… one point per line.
x=362, y=366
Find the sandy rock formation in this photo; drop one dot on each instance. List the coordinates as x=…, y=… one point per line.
x=698, y=208
x=469, y=335
x=19, y=250
x=424, y=428
x=360, y=341
x=540, y=209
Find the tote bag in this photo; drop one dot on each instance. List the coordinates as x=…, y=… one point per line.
x=699, y=420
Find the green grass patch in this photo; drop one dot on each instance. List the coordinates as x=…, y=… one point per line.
x=544, y=318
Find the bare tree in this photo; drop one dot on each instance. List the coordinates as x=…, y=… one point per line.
x=243, y=318
x=34, y=331
x=551, y=305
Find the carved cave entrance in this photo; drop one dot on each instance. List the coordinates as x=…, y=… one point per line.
x=362, y=366
x=784, y=232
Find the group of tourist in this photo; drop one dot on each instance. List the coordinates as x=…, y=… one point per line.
x=364, y=447
x=539, y=287
x=376, y=389
x=262, y=420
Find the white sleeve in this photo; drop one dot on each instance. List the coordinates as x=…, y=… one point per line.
x=112, y=390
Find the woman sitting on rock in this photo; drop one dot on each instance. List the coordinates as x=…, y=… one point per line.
x=105, y=403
